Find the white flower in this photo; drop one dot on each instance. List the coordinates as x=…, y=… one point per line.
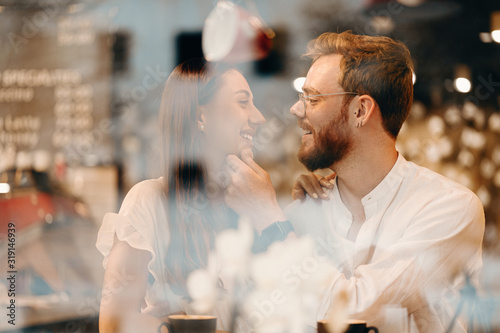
x=202, y=287
x=290, y=281
x=233, y=249
x=228, y=262
x=282, y=264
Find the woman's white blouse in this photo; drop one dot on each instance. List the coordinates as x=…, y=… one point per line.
x=142, y=222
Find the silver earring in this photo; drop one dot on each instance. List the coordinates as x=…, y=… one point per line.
x=202, y=127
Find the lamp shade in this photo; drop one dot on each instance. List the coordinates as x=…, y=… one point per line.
x=232, y=34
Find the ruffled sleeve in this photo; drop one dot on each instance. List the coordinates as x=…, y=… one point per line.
x=119, y=225
x=142, y=223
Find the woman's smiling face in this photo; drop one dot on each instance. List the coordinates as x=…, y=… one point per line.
x=230, y=119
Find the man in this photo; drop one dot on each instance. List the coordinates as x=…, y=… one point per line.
x=397, y=233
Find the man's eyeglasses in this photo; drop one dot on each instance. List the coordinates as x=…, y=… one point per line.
x=303, y=97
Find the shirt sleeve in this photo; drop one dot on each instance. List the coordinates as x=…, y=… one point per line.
x=136, y=223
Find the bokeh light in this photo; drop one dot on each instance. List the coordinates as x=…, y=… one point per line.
x=495, y=35
x=462, y=85
x=298, y=83
x=4, y=188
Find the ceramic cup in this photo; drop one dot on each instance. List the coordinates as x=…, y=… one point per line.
x=353, y=326
x=191, y=324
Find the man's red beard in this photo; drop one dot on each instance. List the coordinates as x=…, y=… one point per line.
x=331, y=144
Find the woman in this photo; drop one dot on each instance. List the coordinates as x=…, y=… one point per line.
x=166, y=226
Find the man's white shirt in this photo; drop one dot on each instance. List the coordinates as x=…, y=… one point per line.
x=422, y=234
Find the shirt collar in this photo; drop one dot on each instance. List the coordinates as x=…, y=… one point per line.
x=391, y=180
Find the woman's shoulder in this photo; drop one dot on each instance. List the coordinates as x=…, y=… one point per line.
x=148, y=186
x=148, y=192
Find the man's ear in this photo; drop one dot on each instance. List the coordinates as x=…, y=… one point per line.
x=367, y=108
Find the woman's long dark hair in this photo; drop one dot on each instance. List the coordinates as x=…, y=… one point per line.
x=191, y=220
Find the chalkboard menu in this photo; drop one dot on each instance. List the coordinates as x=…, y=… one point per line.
x=55, y=93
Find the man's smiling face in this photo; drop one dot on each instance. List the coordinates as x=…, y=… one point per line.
x=326, y=135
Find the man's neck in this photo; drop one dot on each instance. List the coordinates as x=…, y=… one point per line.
x=360, y=172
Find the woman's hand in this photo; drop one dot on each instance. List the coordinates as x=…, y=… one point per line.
x=314, y=185
x=250, y=192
